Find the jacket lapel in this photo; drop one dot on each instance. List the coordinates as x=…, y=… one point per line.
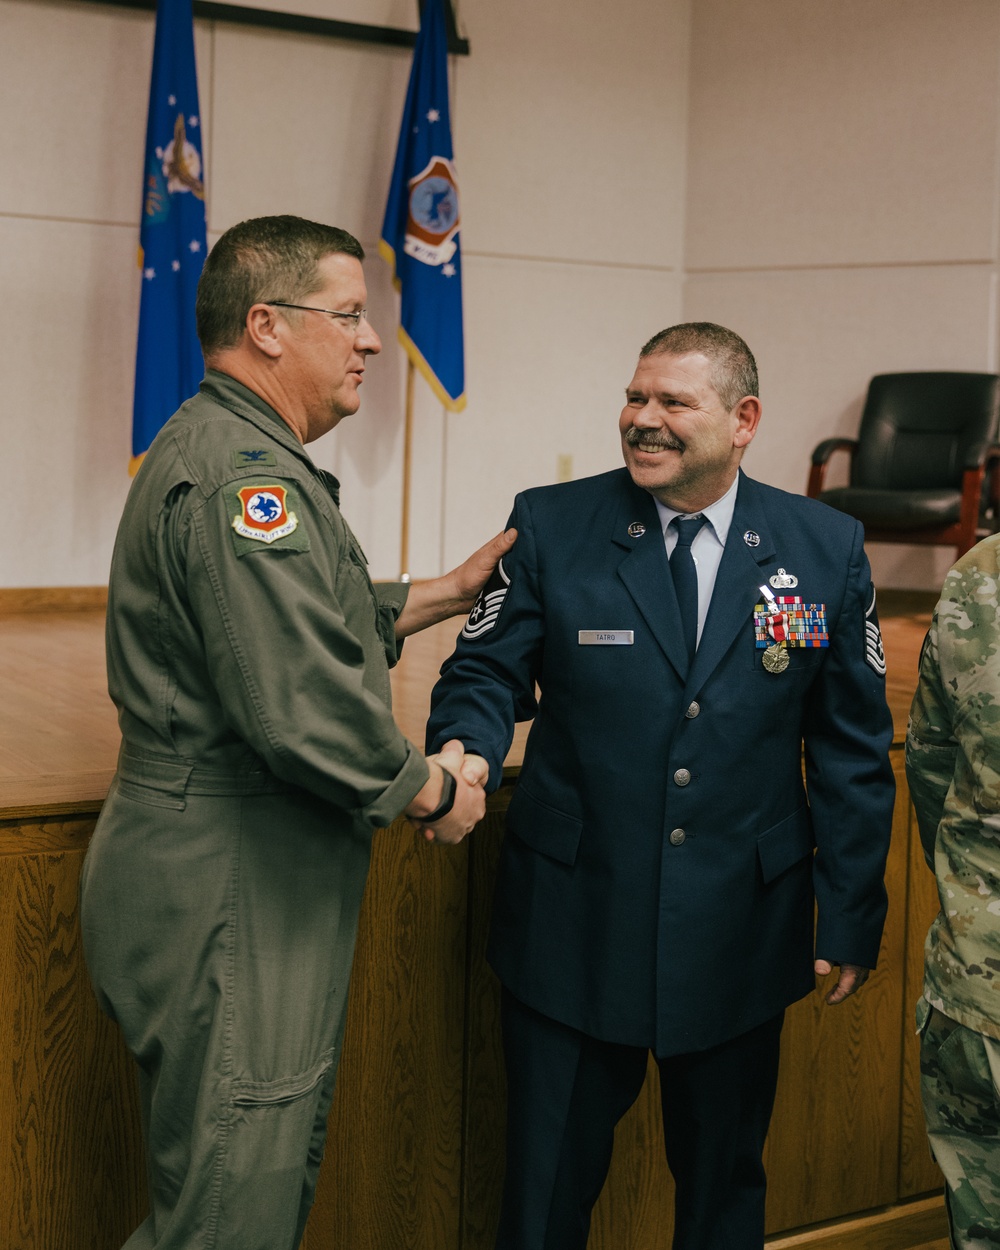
x=646, y=574
x=737, y=584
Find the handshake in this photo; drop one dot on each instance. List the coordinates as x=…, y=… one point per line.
x=465, y=781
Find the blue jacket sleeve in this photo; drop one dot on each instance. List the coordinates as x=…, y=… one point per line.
x=488, y=684
x=847, y=734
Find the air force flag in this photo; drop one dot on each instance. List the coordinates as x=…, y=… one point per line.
x=422, y=221
x=172, y=243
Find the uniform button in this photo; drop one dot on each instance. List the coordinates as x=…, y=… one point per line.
x=677, y=837
x=682, y=776
x=692, y=711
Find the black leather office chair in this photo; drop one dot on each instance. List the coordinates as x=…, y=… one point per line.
x=925, y=467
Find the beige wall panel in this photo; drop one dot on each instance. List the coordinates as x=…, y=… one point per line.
x=820, y=335
x=74, y=88
x=366, y=450
x=551, y=351
x=304, y=125
x=845, y=133
x=569, y=129
x=68, y=322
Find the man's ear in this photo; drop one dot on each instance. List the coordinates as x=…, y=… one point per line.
x=263, y=325
x=747, y=413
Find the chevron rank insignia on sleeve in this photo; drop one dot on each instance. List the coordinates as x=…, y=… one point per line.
x=486, y=609
x=874, y=652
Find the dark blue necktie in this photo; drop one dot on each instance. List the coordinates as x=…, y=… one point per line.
x=685, y=577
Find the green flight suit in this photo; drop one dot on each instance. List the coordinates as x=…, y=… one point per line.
x=248, y=655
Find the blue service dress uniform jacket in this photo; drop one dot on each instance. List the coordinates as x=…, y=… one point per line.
x=663, y=852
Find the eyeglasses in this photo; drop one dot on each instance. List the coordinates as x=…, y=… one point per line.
x=353, y=317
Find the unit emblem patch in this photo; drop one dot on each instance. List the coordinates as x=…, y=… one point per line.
x=263, y=514
x=486, y=609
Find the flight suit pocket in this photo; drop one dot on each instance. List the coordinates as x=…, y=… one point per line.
x=785, y=844
x=285, y=1090
x=272, y=1129
x=543, y=828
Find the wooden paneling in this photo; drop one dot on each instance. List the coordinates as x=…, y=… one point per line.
x=906, y=1226
x=393, y=1158
x=485, y=1085
x=72, y=1173
x=415, y=1154
x=639, y=1192
x=834, y=1143
x=917, y=1170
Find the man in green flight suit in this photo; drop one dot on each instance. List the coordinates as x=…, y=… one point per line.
x=953, y=769
x=248, y=655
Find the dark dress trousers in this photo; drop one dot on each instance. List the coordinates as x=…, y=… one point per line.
x=664, y=853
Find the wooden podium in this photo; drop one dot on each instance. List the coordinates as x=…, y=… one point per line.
x=414, y=1159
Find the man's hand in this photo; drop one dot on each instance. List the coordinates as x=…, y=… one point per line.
x=469, y=807
x=473, y=574
x=852, y=977
x=455, y=592
x=475, y=769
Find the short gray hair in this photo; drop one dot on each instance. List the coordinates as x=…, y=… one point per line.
x=734, y=370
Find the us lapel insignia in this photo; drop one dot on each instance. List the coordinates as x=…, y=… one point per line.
x=751, y=538
x=636, y=530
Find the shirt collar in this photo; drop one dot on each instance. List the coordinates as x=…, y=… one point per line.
x=719, y=514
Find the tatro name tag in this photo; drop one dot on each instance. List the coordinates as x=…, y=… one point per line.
x=605, y=638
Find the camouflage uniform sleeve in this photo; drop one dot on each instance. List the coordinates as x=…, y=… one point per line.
x=930, y=742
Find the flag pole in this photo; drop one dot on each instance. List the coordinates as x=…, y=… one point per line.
x=404, y=539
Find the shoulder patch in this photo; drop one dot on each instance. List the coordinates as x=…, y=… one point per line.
x=874, y=651
x=262, y=515
x=259, y=458
x=486, y=609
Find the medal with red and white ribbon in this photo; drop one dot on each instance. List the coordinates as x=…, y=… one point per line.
x=775, y=658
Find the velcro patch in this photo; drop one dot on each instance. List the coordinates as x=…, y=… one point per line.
x=486, y=609
x=263, y=517
x=254, y=458
x=874, y=651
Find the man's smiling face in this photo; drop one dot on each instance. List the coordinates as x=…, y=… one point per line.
x=679, y=441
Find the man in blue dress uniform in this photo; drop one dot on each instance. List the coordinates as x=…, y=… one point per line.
x=691, y=633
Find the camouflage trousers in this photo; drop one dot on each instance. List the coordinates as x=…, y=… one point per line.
x=960, y=1086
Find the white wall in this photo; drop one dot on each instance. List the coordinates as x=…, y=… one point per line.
x=843, y=206
x=570, y=132
x=822, y=177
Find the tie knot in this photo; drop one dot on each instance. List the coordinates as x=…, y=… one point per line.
x=687, y=528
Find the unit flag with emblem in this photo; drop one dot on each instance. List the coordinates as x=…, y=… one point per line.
x=172, y=237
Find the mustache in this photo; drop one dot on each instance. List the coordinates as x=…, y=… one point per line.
x=655, y=442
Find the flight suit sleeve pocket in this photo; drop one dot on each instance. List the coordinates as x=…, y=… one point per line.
x=543, y=828
x=785, y=844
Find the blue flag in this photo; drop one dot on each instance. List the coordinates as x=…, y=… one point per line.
x=172, y=242
x=420, y=231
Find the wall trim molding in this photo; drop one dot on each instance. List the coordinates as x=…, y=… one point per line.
x=908, y=1226
x=52, y=599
